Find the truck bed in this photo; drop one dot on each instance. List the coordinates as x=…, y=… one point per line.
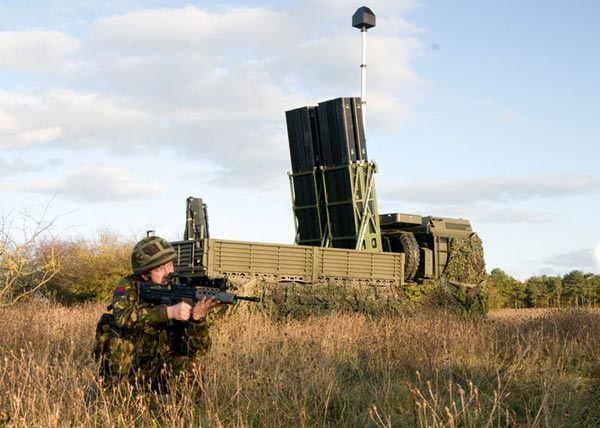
x=219, y=258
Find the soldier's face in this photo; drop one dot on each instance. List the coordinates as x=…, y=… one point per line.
x=160, y=275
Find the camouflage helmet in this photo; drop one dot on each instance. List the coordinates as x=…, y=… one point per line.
x=150, y=253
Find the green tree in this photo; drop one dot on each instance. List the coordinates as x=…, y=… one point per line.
x=573, y=287
x=591, y=290
x=554, y=287
x=543, y=291
x=505, y=291
x=536, y=294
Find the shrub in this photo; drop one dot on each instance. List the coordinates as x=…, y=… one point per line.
x=90, y=270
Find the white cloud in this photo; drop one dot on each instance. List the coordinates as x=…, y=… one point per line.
x=510, y=117
x=7, y=122
x=100, y=182
x=39, y=136
x=10, y=100
x=596, y=252
x=494, y=189
x=190, y=29
x=481, y=214
x=211, y=83
x=391, y=57
x=17, y=166
x=385, y=111
x=577, y=259
x=97, y=117
x=37, y=51
x=289, y=49
x=4, y=186
x=77, y=119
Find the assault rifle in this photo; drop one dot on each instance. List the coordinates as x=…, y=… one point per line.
x=179, y=288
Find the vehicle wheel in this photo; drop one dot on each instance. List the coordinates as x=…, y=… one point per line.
x=411, y=254
x=405, y=242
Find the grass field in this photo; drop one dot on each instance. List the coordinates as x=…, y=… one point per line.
x=536, y=369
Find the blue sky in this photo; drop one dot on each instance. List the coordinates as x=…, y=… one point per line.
x=112, y=113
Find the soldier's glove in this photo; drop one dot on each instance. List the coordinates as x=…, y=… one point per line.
x=180, y=312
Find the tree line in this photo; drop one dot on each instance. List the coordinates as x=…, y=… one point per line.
x=574, y=289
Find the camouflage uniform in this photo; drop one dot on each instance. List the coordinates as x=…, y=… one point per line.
x=141, y=343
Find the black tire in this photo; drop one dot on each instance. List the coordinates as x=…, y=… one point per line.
x=405, y=242
x=411, y=254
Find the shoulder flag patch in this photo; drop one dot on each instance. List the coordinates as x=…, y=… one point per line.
x=119, y=291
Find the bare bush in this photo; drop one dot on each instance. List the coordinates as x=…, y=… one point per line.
x=24, y=269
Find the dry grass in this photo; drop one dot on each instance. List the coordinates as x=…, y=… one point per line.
x=529, y=313
x=426, y=370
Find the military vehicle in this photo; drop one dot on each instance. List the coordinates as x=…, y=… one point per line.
x=345, y=254
x=342, y=244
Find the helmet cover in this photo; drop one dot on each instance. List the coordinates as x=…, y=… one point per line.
x=150, y=253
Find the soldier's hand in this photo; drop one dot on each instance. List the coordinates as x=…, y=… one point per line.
x=203, y=307
x=180, y=312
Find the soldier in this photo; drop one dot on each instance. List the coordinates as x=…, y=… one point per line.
x=143, y=342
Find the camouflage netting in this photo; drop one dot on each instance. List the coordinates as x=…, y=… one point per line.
x=462, y=298
x=298, y=301
x=465, y=261
x=464, y=279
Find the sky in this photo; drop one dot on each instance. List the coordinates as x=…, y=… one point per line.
x=113, y=113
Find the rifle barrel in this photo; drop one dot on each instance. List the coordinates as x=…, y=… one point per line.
x=248, y=298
